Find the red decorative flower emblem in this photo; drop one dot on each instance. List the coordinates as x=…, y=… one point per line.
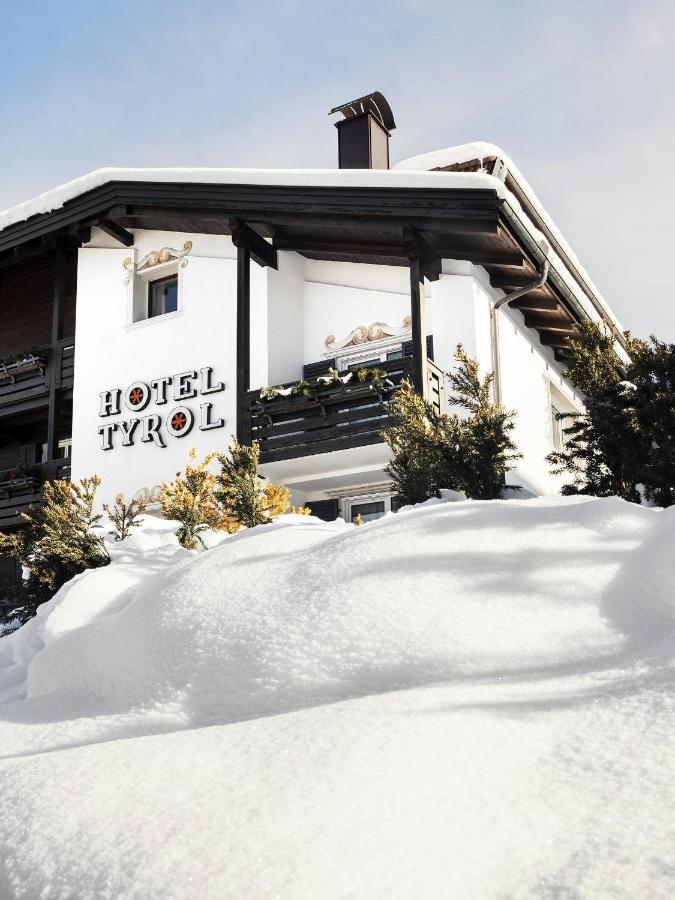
x=179, y=421
x=136, y=397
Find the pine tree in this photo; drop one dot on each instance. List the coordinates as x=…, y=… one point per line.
x=58, y=540
x=431, y=450
x=489, y=451
x=243, y=495
x=650, y=391
x=124, y=515
x=624, y=442
x=191, y=501
x=425, y=448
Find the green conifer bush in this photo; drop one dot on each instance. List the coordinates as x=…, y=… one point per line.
x=623, y=444
x=432, y=450
x=124, y=516
x=58, y=540
x=242, y=494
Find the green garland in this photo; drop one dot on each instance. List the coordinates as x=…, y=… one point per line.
x=306, y=388
x=12, y=358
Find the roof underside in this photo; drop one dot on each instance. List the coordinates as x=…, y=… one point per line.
x=377, y=225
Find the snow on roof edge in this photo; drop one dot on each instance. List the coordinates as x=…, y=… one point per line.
x=412, y=172
x=482, y=150
x=56, y=197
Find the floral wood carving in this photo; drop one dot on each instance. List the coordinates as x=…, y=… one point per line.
x=157, y=258
x=366, y=334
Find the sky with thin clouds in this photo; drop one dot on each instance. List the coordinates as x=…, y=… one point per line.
x=579, y=94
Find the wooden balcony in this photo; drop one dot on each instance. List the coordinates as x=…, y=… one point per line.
x=29, y=378
x=19, y=488
x=334, y=417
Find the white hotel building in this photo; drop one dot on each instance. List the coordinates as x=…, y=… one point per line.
x=144, y=310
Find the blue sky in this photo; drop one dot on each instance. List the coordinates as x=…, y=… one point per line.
x=579, y=94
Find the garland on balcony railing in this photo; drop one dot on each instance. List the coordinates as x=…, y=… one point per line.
x=24, y=361
x=305, y=388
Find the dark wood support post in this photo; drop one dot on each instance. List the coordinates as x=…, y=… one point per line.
x=419, y=331
x=243, y=343
x=58, y=298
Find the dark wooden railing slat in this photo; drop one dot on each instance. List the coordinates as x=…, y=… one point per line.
x=333, y=417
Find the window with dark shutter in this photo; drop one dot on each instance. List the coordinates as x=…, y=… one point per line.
x=408, y=347
x=316, y=369
x=328, y=510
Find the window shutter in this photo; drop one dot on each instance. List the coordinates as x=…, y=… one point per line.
x=315, y=369
x=407, y=347
x=328, y=510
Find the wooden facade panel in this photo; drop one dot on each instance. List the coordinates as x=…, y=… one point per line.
x=26, y=294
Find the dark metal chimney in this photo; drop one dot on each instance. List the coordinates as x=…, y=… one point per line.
x=363, y=134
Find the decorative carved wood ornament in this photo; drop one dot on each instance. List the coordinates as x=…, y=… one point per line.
x=362, y=334
x=158, y=258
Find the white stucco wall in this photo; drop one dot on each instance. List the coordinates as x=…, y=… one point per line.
x=336, y=310
x=112, y=353
x=292, y=311
x=285, y=319
x=526, y=370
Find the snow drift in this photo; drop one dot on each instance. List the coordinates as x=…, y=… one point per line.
x=169, y=725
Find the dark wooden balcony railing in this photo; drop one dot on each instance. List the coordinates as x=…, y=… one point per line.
x=21, y=487
x=31, y=379
x=335, y=417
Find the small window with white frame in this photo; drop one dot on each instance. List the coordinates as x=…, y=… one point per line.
x=162, y=296
x=352, y=361
x=366, y=507
x=561, y=410
x=156, y=282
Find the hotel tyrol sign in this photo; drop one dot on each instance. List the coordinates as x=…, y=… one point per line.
x=155, y=427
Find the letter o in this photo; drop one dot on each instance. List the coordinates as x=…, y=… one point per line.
x=137, y=396
x=179, y=422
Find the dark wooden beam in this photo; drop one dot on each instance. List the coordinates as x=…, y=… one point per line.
x=432, y=268
x=243, y=342
x=486, y=225
x=554, y=338
x=552, y=321
x=419, y=335
x=54, y=365
x=263, y=202
x=40, y=247
x=261, y=252
x=534, y=301
x=482, y=257
x=512, y=280
x=116, y=231
x=343, y=248
x=445, y=226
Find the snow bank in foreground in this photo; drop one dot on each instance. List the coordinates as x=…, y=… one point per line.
x=505, y=672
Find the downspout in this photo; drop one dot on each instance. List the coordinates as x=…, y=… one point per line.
x=494, y=319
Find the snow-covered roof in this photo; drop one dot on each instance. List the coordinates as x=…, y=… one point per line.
x=58, y=196
x=483, y=150
x=409, y=173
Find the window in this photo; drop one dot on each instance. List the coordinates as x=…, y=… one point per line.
x=369, y=357
x=368, y=506
x=373, y=509
x=560, y=405
x=162, y=296
x=557, y=436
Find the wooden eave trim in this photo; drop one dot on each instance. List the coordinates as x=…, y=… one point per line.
x=120, y=198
